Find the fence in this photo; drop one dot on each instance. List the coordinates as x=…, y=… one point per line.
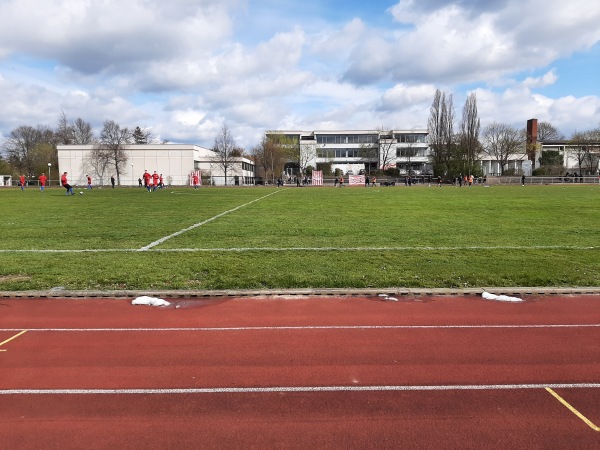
x=331, y=181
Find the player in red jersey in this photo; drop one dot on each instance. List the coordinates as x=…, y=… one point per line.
x=43, y=178
x=155, y=179
x=65, y=184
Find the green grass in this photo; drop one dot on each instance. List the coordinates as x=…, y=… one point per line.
x=295, y=238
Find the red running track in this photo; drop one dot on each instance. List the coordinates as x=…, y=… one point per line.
x=422, y=372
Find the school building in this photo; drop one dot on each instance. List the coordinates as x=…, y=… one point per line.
x=175, y=162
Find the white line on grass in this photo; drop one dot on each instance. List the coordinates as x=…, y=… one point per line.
x=293, y=249
x=275, y=389
x=199, y=224
x=321, y=327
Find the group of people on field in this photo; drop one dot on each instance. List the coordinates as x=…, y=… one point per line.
x=153, y=181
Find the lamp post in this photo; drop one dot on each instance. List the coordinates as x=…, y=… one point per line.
x=49, y=177
x=132, y=180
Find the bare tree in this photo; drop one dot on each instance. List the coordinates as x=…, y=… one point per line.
x=548, y=132
x=270, y=156
x=76, y=132
x=387, y=147
x=82, y=132
x=501, y=141
x=441, y=130
x=98, y=162
x=368, y=154
x=111, y=146
x=226, y=154
x=586, y=149
x=29, y=149
x=64, y=130
x=469, y=132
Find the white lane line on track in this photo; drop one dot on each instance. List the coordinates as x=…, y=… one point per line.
x=241, y=390
x=199, y=224
x=288, y=249
x=316, y=327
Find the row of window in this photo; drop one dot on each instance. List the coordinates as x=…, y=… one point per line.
x=346, y=138
x=411, y=138
x=411, y=152
x=330, y=153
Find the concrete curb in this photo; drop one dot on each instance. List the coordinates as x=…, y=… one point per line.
x=309, y=292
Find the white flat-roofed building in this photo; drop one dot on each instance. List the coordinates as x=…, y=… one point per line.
x=353, y=151
x=174, y=161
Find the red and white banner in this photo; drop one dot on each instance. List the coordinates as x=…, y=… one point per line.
x=317, y=178
x=198, y=173
x=356, y=180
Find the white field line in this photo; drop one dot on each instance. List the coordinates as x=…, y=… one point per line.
x=301, y=328
x=275, y=389
x=199, y=224
x=292, y=249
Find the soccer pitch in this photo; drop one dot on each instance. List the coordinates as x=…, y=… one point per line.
x=308, y=237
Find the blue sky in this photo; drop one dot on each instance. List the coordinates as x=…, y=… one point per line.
x=184, y=68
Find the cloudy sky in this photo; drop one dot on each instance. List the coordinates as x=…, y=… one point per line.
x=183, y=68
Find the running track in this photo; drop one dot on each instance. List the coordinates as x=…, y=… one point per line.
x=423, y=372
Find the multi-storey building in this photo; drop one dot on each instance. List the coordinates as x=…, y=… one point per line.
x=355, y=151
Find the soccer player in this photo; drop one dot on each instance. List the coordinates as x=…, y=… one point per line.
x=147, y=177
x=161, y=182
x=65, y=184
x=43, y=180
x=22, y=182
x=155, y=179
x=89, y=180
x=195, y=180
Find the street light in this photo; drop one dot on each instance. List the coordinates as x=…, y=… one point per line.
x=132, y=182
x=49, y=177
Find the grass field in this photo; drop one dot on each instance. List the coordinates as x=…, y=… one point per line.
x=254, y=238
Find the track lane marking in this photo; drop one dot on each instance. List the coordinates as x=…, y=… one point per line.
x=573, y=410
x=316, y=327
x=10, y=339
x=275, y=389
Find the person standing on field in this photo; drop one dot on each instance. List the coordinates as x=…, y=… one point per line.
x=195, y=180
x=22, y=182
x=43, y=180
x=112, y=181
x=146, y=178
x=89, y=181
x=65, y=184
x=155, y=180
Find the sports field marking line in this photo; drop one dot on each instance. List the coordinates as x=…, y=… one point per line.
x=10, y=339
x=291, y=249
x=573, y=410
x=199, y=224
x=241, y=390
x=316, y=327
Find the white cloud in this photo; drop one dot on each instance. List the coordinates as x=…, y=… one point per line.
x=185, y=67
x=402, y=96
x=458, y=42
x=547, y=79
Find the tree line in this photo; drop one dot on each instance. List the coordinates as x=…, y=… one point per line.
x=29, y=150
x=458, y=152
